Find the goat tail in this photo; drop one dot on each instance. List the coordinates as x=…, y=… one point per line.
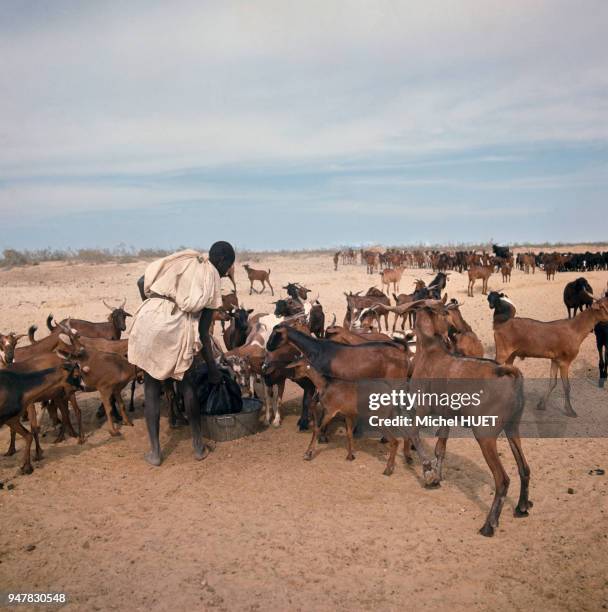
x=49, y=322
x=30, y=333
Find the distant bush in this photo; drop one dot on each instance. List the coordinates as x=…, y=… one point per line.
x=11, y=258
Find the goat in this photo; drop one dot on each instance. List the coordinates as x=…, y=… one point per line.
x=107, y=373
x=111, y=329
x=288, y=307
x=388, y=276
x=503, y=399
x=356, y=303
x=316, y=320
x=558, y=341
x=479, y=272
x=237, y=331
x=8, y=342
x=254, y=351
x=503, y=308
x=371, y=360
x=336, y=397
x=550, y=270
x=20, y=389
x=577, y=294
x=463, y=338
x=505, y=270
x=601, y=340
x=296, y=291
x=336, y=259
x=262, y=276
x=407, y=298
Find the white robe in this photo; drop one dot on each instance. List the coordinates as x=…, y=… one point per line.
x=164, y=337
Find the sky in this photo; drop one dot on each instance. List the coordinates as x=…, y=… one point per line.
x=286, y=125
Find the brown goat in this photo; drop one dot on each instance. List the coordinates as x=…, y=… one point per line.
x=550, y=270
x=505, y=270
x=463, y=338
x=111, y=329
x=8, y=343
x=479, y=272
x=19, y=389
x=391, y=275
x=262, y=276
x=503, y=399
x=558, y=341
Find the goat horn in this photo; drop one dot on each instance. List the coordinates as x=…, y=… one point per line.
x=334, y=321
x=124, y=301
x=107, y=305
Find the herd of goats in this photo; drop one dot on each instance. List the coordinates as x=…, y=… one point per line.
x=429, y=339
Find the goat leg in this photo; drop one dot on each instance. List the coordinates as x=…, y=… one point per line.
x=563, y=372
x=349, y=438
x=15, y=424
x=501, y=484
x=390, y=464
x=106, y=400
x=121, y=407
x=78, y=414
x=542, y=404
x=440, y=447
x=11, y=447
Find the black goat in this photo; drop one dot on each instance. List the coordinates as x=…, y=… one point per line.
x=296, y=291
x=316, y=320
x=577, y=294
x=502, y=307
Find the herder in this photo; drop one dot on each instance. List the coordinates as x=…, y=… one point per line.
x=171, y=326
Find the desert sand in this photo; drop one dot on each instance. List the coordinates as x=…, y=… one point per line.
x=254, y=527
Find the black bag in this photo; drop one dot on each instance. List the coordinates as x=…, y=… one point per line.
x=223, y=398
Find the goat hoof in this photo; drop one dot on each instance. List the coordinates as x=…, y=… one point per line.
x=350, y=457
x=409, y=460
x=601, y=383
x=26, y=469
x=487, y=531
x=388, y=471
x=38, y=456
x=115, y=433
x=540, y=405
x=276, y=424
x=308, y=456
x=10, y=452
x=571, y=413
x=517, y=513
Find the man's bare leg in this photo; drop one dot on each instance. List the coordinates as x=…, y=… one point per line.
x=194, y=417
x=152, y=388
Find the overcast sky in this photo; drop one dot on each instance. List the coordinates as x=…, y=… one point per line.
x=302, y=124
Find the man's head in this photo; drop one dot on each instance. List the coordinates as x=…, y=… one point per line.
x=221, y=255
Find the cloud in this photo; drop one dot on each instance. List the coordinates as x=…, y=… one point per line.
x=110, y=106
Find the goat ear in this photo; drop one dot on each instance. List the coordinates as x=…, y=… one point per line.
x=127, y=314
x=249, y=310
x=444, y=299
x=65, y=339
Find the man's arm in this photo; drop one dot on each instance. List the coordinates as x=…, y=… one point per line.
x=204, y=327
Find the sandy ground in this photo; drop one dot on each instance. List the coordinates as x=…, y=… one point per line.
x=254, y=527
